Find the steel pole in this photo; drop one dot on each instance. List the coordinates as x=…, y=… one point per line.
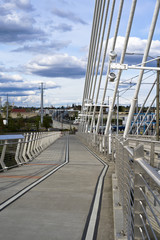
x=157, y=103
x=150, y=36
x=41, y=104
x=117, y=112
x=7, y=111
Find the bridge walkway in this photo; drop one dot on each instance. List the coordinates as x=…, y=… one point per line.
x=55, y=197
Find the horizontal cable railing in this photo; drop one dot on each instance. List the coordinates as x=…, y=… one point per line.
x=16, y=150
x=147, y=198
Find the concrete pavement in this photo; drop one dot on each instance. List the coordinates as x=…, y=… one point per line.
x=58, y=207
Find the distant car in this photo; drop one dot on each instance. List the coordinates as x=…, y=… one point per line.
x=121, y=128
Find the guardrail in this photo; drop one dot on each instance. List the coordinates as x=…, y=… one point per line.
x=151, y=149
x=16, y=150
x=100, y=143
x=139, y=190
x=106, y=145
x=137, y=184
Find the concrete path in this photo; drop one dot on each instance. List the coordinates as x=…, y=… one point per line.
x=58, y=207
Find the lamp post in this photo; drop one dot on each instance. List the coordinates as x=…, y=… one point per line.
x=157, y=102
x=7, y=111
x=41, y=104
x=117, y=111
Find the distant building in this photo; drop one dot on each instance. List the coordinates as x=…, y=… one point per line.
x=22, y=112
x=143, y=122
x=45, y=111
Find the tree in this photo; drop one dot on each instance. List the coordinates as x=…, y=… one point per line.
x=1, y=124
x=47, y=121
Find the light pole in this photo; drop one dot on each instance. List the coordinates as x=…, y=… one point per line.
x=157, y=102
x=7, y=112
x=117, y=111
x=41, y=104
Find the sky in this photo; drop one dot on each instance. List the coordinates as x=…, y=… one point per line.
x=47, y=41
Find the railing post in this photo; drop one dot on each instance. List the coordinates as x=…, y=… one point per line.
x=42, y=141
x=31, y=145
x=40, y=138
x=25, y=147
x=152, y=154
x=113, y=148
x=39, y=143
x=36, y=144
x=94, y=140
x=100, y=143
x=108, y=145
x=3, y=155
x=139, y=217
x=18, y=152
x=21, y=151
x=29, y=148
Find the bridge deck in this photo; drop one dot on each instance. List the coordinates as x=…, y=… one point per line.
x=59, y=206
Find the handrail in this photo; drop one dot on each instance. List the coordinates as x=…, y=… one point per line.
x=151, y=172
x=16, y=150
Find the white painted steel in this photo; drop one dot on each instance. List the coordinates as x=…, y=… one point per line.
x=121, y=62
x=108, y=70
x=103, y=61
x=146, y=52
x=28, y=148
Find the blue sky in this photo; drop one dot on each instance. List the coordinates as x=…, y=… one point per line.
x=47, y=41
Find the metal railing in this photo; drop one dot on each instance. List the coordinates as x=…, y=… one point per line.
x=16, y=150
x=100, y=143
x=138, y=182
x=139, y=189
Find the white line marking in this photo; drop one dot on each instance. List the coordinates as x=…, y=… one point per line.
x=94, y=214
x=93, y=218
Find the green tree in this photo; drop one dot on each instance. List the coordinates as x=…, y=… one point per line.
x=37, y=122
x=1, y=124
x=47, y=121
x=12, y=125
x=20, y=122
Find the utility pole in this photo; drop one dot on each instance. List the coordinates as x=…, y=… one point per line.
x=117, y=111
x=157, y=102
x=7, y=112
x=0, y=105
x=42, y=104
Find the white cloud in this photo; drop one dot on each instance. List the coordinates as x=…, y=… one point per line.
x=18, y=25
x=135, y=45
x=24, y=5
x=59, y=65
x=10, y=78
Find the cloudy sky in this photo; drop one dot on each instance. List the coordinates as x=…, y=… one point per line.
x=47, y=41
